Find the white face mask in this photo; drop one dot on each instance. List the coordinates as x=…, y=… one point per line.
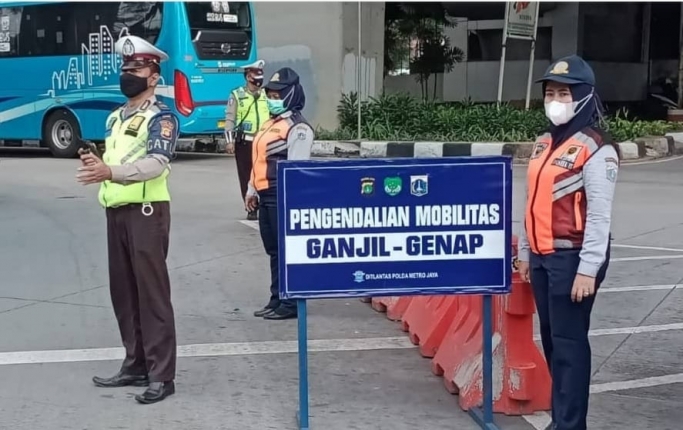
x=561, y=113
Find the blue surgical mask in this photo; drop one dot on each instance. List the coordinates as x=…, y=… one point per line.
x=276, y=107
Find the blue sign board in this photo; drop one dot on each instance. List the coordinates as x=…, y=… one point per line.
x=401, y=226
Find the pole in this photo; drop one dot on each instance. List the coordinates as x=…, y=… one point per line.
x=358, y=68
x=680, y=60
x=531, y=59
x=303, y=364
x=484, y=416
x=501, y=72
x=487, y=360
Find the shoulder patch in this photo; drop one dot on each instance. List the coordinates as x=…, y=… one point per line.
x=167, y=128
x=611, y=172
x=611, y=168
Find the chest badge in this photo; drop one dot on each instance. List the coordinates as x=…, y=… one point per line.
x=135, y=123
x=568, y=157
x=538, y=150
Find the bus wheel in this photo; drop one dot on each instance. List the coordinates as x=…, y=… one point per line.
x=62, y=134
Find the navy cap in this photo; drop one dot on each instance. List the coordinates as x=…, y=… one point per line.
x=283, y=78
x=570, y=70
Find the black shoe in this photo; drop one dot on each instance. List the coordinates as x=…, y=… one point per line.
x=261, y=312
x=280, y=314
x=156, y=392
x=252, y=216
x=121, y=380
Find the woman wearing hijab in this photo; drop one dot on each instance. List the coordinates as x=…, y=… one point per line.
x=564, y=245
x=286, y=136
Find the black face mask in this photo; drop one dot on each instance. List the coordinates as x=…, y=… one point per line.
x=132, y=85
x=257, y=80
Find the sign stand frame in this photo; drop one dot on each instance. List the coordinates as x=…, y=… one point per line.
x=484, y=416
x=302, y=338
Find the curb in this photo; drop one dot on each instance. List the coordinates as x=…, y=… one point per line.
x=642, y=147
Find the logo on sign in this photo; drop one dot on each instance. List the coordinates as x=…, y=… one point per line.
x=419, y=185
x=393, y=185
x=521, y=5
x=359, y=276
x=367, y=186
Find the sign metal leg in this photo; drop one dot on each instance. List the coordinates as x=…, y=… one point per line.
x=484, y=416
x=302, y=415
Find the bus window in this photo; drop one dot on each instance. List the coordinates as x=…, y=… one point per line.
x=10, y=24
x=218, y=15
x=141, y=19
x=220, y=30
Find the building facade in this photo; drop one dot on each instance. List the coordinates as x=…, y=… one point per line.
x=629, y=45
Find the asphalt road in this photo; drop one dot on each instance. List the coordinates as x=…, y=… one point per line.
x=57, y=328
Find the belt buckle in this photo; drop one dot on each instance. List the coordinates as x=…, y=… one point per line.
x=147, y=209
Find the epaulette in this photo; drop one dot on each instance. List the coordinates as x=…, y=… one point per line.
x=162, y=106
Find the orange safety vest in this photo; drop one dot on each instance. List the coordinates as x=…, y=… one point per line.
x=556, y=200
x=270, y=145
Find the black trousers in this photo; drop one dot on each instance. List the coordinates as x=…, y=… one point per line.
x=243, y=151
x=269, y=231
x=141, y=290
x=564, y=329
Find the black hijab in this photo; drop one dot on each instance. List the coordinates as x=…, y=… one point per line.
x=589, y=113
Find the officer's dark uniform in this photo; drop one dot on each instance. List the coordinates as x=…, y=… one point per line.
x=287, y=136
x=572, y=171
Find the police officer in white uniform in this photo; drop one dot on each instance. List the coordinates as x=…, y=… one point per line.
x=140, y=141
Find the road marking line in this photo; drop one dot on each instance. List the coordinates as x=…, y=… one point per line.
x=629, y=330
x=657, y=161
x=654, y=381
x=652, y=257
x=210, y=350
x=250, y=224
x=649, y=248
x=540, y=420
x=635, y=330
x=268, y=347
x=637, y=288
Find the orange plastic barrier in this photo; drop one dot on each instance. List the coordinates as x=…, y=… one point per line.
x=427, y=320
x=395, y=307
x=521, y=381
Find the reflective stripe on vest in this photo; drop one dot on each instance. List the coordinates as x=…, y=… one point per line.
x=270, y=145
x=556, y=201
x=250, y=120
x=126, y=142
